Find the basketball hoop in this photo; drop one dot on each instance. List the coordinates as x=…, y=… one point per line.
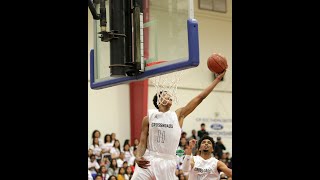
x=166, y=84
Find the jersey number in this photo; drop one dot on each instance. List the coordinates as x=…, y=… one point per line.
x=161, y=136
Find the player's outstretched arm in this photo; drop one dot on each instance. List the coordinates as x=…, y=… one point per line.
x=186, y=110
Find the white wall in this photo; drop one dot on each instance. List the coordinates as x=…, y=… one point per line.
x=109, y=109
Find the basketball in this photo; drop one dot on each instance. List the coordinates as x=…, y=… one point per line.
x=217, y=63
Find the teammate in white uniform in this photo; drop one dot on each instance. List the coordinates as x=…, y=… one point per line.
x=160, y=135
x=204, y=166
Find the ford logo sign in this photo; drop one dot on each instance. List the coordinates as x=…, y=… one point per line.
x=216, y=126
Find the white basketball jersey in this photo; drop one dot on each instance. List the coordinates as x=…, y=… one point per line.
x=164, y=132
x=204, y=169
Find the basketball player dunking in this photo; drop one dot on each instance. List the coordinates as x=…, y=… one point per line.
x=160, y=135
x=204, y=166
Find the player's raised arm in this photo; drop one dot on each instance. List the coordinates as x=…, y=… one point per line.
x=186, y=110
x=188, y=158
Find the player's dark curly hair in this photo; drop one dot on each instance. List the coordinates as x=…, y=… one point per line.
x=206, y=137
x=155, y=99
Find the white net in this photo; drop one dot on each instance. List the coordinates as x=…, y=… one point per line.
x=167, y=85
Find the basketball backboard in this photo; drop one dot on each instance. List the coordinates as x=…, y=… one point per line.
x=168, y=32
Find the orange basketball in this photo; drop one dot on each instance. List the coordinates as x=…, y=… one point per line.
x=217, y=63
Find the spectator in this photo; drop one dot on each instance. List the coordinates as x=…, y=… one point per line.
x=203, y=131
